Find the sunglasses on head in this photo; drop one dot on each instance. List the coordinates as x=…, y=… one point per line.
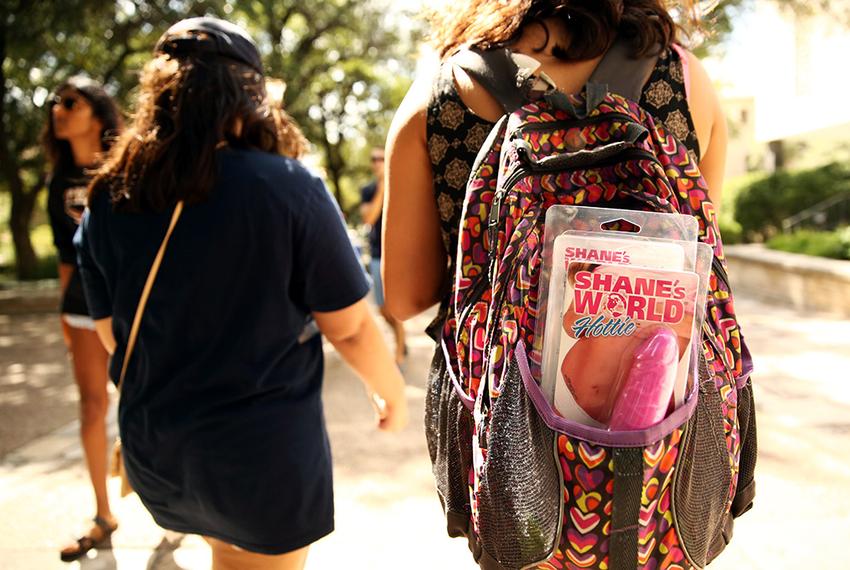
x=68, y=102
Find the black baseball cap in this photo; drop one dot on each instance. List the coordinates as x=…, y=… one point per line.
x=211, y=36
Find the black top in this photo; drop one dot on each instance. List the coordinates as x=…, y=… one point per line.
x=66, y=194
x=366, y=195
x=220, y=414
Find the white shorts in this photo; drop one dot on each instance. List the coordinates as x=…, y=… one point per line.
x=78, y=321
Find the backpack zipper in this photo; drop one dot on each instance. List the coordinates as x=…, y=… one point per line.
x=518, y=171
x=720, y=271
x=569, y=123
x=723, y=277
x=477, y=290
x=521, y=170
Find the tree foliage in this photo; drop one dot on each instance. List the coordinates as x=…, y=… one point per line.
x=762, y=206
x=340, y=60
x=333, y=56
x=346, y=64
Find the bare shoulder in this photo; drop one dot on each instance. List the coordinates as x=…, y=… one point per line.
x=410, y=118
x=701, y=83
x=710, y=125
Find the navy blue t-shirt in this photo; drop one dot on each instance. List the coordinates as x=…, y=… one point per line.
x=220, y=416
x=366, y=195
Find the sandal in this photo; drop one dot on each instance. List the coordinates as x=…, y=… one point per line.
x=87, y=542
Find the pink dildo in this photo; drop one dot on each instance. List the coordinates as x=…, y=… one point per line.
x=647, y=390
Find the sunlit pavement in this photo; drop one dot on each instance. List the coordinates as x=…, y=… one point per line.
x=387, y=513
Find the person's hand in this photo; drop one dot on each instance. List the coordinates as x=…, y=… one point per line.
x=391, y=417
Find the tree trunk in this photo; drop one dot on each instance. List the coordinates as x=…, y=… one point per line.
x=780, y=154
x=23, y=202
x=332, y=163
x=20, y=214
x=335, y=175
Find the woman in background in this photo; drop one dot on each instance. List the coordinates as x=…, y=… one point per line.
x=82, y=123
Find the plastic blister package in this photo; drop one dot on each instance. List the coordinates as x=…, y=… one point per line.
x=621, y=306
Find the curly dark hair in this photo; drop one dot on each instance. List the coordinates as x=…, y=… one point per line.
x=592, y=25
x=104, y=109
x=187, y=108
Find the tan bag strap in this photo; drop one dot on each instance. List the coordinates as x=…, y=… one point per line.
x=134, y=330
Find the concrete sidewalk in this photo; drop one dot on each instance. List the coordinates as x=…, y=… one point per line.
x=388, y=515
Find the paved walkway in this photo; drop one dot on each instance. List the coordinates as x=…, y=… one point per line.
x=388, y=515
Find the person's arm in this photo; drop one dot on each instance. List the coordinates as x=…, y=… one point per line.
x=710, y=125
x=355, y=335
x=329, y=280
x=66, y=270
x=103, y=327
x=370, y=211
x=94, y=283
x=414, y=259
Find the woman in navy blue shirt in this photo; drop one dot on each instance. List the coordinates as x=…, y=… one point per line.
x=220, y=415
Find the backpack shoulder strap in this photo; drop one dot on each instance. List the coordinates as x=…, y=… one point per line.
x=509, y=76
x=623, y=74
x=505, y=75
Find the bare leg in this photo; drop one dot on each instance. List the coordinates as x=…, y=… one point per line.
x=90, y=371
x=228, y=557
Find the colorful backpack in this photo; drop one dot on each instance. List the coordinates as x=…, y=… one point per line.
x=528, y=488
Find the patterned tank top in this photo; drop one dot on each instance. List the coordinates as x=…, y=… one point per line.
x=455, y=134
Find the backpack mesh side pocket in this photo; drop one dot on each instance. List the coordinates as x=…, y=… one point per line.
x=746, y=489
x=701, y=485
x=519, y=494
x=448, y=430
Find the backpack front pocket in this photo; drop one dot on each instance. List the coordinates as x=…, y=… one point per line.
x=617, y=487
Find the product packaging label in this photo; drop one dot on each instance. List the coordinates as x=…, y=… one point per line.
x=607, y=310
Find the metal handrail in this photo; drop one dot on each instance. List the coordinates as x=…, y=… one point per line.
x=818, y=209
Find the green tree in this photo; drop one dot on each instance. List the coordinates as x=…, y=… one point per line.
x=342, y=61
x=333, y=56
x=41, y=44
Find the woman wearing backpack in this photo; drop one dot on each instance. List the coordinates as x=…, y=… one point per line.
x=220, y=414
x=444, y=119
x=82, y=123
x=435, y=138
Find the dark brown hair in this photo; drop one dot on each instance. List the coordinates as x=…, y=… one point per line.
x=591, y=25
x=188, y=108
x=103, y=108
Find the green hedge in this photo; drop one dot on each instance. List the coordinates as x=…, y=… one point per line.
x=730, y=231
x=834, y=244
x=761, y=206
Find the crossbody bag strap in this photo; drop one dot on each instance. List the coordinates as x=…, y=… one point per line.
x=134, y=330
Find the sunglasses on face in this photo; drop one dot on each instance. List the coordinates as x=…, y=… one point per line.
x=376, y=159
x=68, y=102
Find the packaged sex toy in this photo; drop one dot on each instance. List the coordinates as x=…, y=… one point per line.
x=624, y=300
